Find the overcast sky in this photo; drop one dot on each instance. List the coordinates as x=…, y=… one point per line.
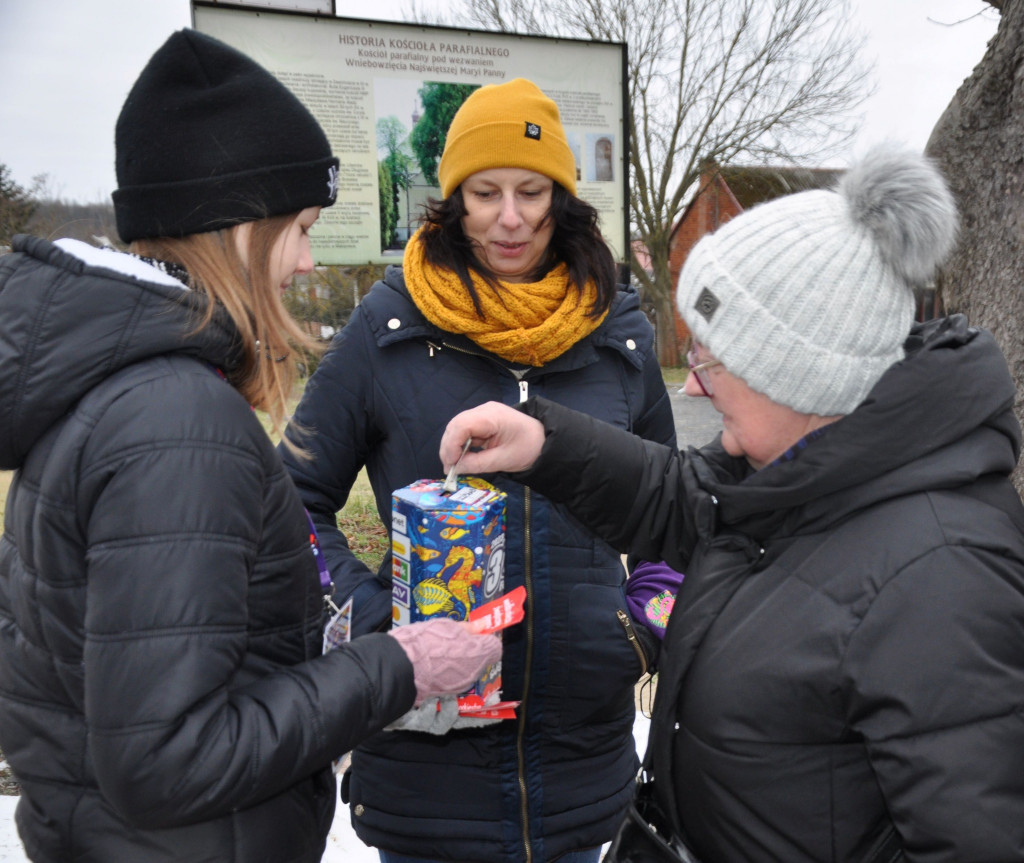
x=66, y=67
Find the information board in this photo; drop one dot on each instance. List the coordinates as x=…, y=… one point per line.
x=365, y=81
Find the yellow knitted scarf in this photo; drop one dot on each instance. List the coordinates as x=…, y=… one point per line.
x=529, y=323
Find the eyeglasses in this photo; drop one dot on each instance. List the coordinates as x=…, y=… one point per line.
x=699, y=370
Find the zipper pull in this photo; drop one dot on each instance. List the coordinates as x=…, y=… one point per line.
x=627, y=625
x=524, y=391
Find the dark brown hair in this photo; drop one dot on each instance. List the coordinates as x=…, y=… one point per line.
x=576, y=240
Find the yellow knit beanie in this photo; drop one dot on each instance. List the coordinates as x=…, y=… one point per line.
x=511, y=125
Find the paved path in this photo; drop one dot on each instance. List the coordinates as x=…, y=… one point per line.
x=697, y=422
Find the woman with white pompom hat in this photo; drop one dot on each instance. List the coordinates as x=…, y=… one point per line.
x=842, y=677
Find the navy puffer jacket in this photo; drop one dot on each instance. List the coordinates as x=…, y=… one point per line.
x=162, y=697
x=555, y=779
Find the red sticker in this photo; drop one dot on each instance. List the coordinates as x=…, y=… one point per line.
x=499, y=613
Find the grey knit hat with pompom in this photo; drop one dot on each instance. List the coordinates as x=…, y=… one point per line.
x=808, y=298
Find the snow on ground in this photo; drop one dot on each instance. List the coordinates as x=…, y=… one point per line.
x=342, y=844
x=10, y=845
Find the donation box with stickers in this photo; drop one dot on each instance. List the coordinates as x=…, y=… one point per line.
x=448, y=556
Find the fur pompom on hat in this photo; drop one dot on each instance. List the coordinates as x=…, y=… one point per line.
x=809, y=298
x=208, y=138
x=511, y=125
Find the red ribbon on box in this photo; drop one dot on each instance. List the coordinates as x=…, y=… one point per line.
x=499, y=613
x=473, y=705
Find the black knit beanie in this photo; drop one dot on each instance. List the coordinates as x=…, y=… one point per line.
x=208, y=138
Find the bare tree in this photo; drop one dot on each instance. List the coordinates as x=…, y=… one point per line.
x=709, y=80
x=978, y=144
x=17, y=205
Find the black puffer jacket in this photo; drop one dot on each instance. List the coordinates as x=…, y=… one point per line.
x=160, y=609
x=847, y=651
x=556, y=778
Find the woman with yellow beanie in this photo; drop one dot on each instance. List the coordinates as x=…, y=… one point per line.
x=506, y=291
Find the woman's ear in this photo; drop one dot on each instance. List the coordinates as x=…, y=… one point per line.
x=243, y=239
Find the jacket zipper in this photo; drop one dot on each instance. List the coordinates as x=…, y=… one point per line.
x=524, y=808
x=524, y=394
x=627, y=625
x=434, y=347
x=521, y=732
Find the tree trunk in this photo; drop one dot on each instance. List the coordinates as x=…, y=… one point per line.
x=978, y=144
x=668, y=347
x=660, y=292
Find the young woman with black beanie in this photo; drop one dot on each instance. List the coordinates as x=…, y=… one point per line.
x=162, y=688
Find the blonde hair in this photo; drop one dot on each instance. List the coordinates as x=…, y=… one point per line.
x=272, y=342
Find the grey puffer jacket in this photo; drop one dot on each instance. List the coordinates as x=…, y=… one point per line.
x=162, y=697
x=556, y=778
x=846, y=655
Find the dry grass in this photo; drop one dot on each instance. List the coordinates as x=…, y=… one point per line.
x=358, y=520
x=676, y=377
x=366, y=535
x=5, y=483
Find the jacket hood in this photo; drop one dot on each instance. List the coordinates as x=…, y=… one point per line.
x=940, y=418
x=71, y=315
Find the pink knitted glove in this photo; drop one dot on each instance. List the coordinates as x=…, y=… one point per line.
x=445, y=655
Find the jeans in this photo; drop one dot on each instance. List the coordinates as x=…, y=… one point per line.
x=589, y=855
